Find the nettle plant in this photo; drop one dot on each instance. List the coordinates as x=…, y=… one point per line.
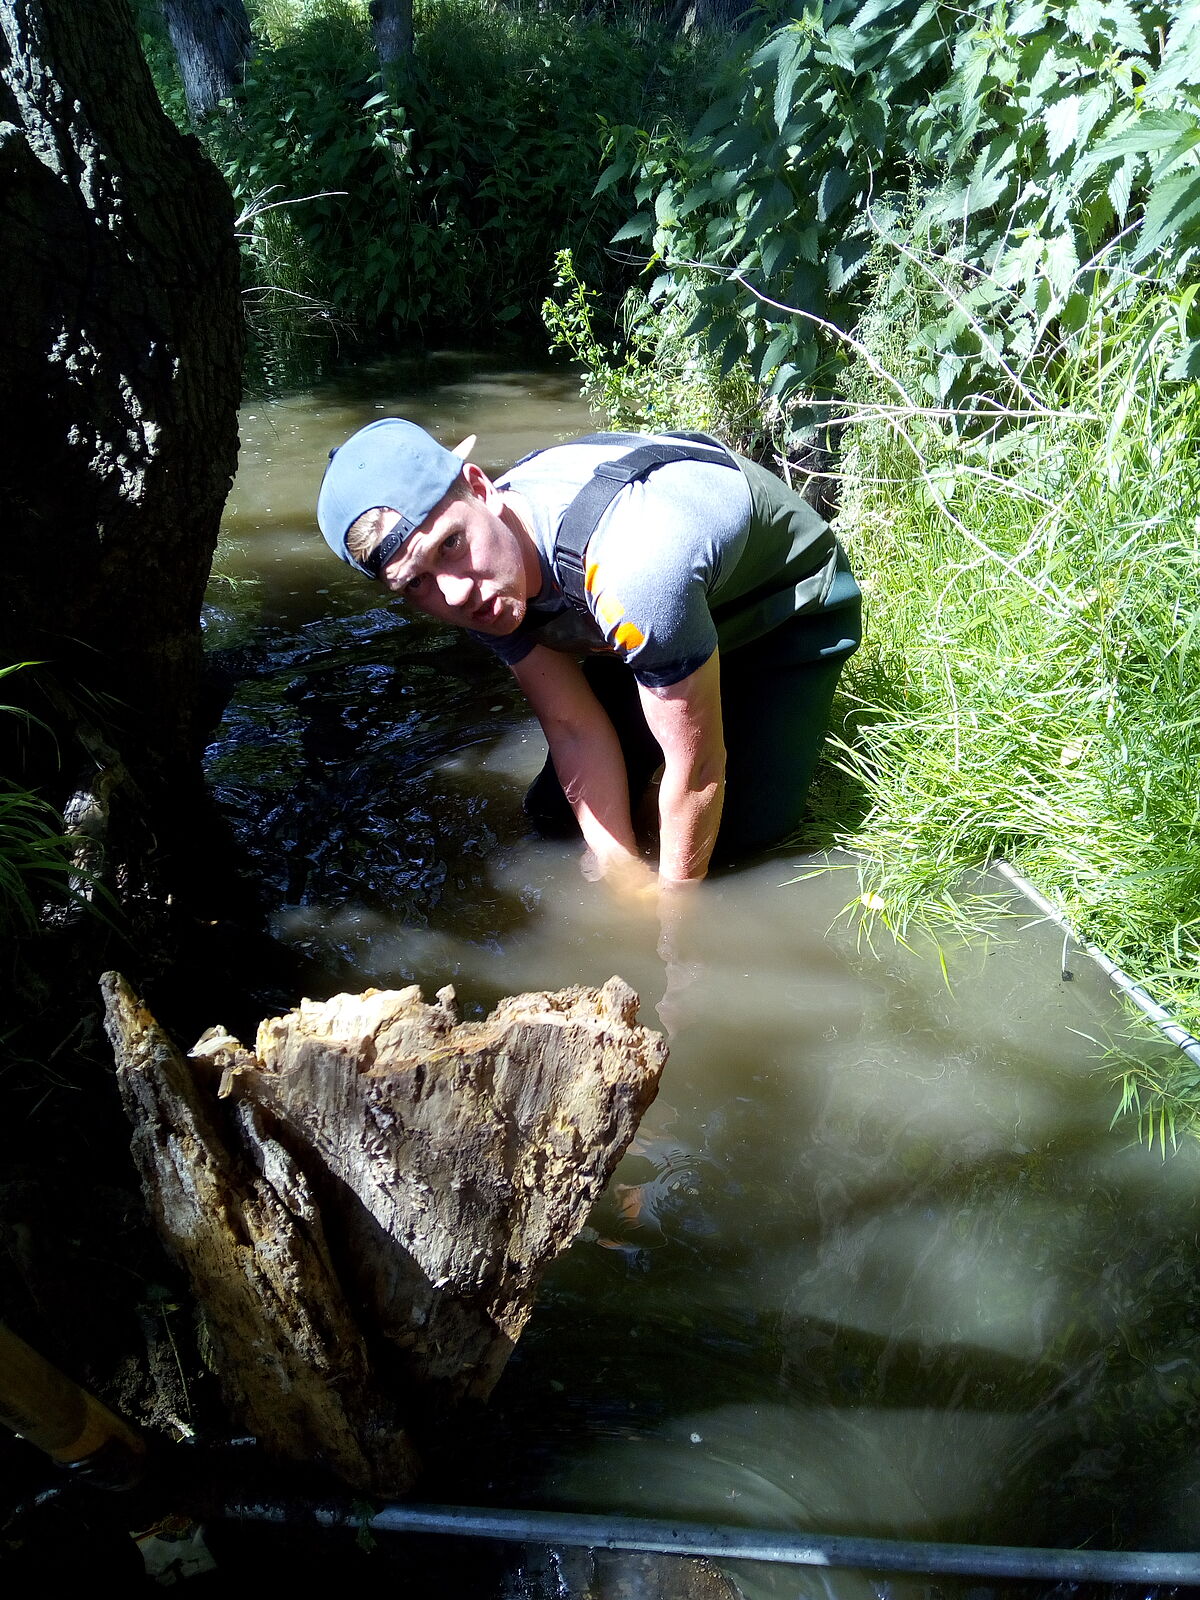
x=994, y=161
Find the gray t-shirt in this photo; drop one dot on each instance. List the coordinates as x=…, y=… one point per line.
x=656, y=564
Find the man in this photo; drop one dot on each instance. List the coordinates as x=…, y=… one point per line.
x=662, y=602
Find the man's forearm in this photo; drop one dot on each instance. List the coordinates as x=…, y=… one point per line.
x=689, y=811
x=591, y=771
x=685, y=718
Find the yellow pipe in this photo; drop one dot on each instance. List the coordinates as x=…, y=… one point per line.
x=43, y=1405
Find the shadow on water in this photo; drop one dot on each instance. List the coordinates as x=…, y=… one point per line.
x=875, y=1262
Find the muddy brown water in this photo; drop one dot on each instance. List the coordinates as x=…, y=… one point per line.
x=876, y=1262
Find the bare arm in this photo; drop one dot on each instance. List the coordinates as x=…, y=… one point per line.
x=685, y=718
x=586, y=753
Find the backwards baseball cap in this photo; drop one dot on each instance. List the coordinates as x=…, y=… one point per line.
x=390, y=463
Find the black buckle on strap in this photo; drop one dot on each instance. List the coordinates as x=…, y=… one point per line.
x=619, y=470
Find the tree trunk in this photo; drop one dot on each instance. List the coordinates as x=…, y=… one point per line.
x=392, y=30
x=121, y=346
x=374, y=1153
x=211, y=40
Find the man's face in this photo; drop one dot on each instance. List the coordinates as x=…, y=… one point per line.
x=464, y=565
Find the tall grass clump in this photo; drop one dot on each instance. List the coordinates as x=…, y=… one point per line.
x=1030, y=682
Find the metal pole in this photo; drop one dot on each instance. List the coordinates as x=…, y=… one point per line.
x=1162, y=1019
x=741, y=1544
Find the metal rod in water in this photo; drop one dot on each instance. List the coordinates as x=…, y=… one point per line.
x=742, y=1544
x=1162, y=1019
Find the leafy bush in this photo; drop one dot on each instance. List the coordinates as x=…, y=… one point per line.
x=654, y=374
x=999, y=157
x=437, y=204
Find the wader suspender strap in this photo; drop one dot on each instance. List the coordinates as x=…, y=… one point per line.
x=583, y=514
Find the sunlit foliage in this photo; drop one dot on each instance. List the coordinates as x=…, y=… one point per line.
x=1006, y=152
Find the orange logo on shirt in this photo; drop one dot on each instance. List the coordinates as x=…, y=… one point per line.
x=626, y=635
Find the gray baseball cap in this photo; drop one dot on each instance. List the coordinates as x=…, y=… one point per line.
x=390, y=463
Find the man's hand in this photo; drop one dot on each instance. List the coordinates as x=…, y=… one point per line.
x=628, y=876
x=684, y=717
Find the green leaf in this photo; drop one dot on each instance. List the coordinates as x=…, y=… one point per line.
x=808, y=243
x=638, y=227
x=847, y=259
x=789, y=67
x=1180, y=67
x=870, y=126
x=1062, y=263
x=767, y=54
x=719, y=115
x=613, y=171
x=1061, y=121
x=835, y=185
x=732, y=352
x=870, y=12
x=1030, y=20
x=785, y=378
x=774, y=354
x=1172, y=211
x=1186, y=364
x=1121, y=185
x=840, y=47
x=1150, y=132
x=777, y=253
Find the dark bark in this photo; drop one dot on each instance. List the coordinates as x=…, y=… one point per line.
x=121, y=347
x=211, y=40
x=392, y=30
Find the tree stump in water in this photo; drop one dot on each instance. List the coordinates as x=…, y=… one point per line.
x=366, y=1203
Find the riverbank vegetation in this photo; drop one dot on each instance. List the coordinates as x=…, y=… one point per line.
x=965, y=243
x=429, y=207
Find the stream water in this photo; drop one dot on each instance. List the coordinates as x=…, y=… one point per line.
x=876, y=1262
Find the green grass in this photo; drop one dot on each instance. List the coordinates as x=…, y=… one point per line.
x=1030, y=683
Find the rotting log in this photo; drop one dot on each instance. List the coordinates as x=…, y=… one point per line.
x=374, y=1153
